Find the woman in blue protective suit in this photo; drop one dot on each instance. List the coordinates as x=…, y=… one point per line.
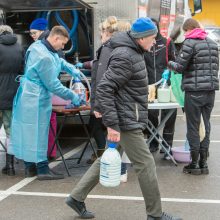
x=32, y=104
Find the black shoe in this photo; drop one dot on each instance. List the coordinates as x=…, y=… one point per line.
x=51, y=159
x=153, y=149
x=31, y=171
x=203, y=162
x=92, y=159
x=79, y=207
x=192, y=169
x=164, y=216
x=8, y=169
x=51, y=175
x=4, y=170
x=162, y=151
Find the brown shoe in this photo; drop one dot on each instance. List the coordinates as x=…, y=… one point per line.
x=93, y=156
x=92, y=159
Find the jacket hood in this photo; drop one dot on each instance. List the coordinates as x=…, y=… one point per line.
x=44, y=35
x=196, y=33
x=123, y=39
x=159, y=36
x=8, y=39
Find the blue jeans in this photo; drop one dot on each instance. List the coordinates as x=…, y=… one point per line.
x=42, y=167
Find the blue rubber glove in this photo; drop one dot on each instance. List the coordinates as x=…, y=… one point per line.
x=82, y=98
x=76, y=73
x=166, y=75
x=79, y=65
x=76, y=100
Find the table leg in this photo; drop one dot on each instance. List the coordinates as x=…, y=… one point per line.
x=56, y=141
x=155, y=131
x=89, y=140
x=160, y=126
x=3, y=146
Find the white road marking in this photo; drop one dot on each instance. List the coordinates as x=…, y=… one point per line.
x=108, y=197
x=26, y=181
x=16, y=187
x=212, y=116
x=213, y=141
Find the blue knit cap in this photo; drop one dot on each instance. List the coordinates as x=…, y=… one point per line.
x=143, y=27
x=39, y=24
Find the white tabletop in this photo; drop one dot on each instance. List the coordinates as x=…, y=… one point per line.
x=161, y=105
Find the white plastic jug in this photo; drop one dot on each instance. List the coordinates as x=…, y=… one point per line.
x=163, y=93
x=110, y=166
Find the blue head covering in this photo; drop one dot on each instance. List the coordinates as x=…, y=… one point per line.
x=39, y=24
x=143, y=27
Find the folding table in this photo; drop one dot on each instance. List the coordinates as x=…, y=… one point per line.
x=3, y=146
x=67, y=113
x=172, y=106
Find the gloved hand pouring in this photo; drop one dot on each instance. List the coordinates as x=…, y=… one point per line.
x=165, y=77
x=80, y=92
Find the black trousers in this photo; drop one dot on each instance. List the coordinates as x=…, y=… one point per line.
x=98, y=131
x=197, y=104
x=169, y=127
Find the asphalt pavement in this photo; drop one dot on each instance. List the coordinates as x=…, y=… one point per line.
x=187, y=196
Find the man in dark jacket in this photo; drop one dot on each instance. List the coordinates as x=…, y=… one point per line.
x=122, y=95
x=11, y=57
x=198, y=61
x=156, y=62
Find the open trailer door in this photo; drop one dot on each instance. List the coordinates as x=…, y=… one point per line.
x=41, y=5
x=75, y=15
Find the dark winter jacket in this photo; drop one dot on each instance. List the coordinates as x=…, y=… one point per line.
x=122, y=91
x=11, y=60
x=155, y=59
x=99, y=67
x=199, y=63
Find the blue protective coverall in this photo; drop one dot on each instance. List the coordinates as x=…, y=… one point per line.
x=32, y=104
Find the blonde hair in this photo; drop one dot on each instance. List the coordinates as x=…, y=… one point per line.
x=124, y=26
x=5, y=29
x=59, y=30
x=109, y=25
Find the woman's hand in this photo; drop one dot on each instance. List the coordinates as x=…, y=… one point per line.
x=97, y=114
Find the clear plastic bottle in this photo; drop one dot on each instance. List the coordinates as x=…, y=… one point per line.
x=186, y=145
x=79, y=89
x=110, y=166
